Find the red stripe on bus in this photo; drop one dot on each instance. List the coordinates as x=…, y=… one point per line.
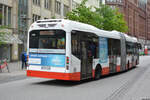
x=118, y=68
x=105, y=71
x=93, y=73
x=54, y=75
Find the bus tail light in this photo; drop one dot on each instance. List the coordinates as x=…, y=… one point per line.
x=67, y=63
x=67, y=60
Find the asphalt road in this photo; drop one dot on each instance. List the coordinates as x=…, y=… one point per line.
x=122, y=86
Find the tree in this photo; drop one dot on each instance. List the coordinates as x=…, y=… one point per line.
x=2, y=33
x=85, y=15
x=112, y=18
x=103, y=17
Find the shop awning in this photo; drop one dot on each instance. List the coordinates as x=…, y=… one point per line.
x=10, y=38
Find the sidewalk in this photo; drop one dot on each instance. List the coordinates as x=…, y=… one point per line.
x=15, y=72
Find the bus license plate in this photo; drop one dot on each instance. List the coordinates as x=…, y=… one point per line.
x=46, y=68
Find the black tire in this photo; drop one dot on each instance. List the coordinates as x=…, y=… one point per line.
x=97, y=73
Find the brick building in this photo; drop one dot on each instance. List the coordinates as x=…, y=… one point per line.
x=148, y=22
x=137, y=16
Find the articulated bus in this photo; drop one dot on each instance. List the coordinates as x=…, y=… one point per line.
x=68, y=50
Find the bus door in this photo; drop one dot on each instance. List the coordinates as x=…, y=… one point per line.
x=123, y=53
x=86, y=60
x=112, y=63
x=112, y=56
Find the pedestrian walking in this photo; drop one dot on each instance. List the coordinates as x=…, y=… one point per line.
x=24, y=60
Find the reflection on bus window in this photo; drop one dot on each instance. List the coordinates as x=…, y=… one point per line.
x=48, y=39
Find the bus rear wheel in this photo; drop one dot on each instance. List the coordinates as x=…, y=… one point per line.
x=97, y=73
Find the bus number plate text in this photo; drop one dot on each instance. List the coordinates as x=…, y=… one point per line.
x=46, y=68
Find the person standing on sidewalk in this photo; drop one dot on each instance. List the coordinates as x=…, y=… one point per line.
x=24, y=59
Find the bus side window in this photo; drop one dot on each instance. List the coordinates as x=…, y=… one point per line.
x=34, y=39
x=117, y=47
x=75, y=44
x=114, y=47
x=127, y=48
x=109, y=47
x=97, y=48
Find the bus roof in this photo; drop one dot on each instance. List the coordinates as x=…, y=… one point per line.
x=69, y=25
x=130, y=39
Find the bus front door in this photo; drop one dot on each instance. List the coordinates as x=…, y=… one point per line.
x=86, y=61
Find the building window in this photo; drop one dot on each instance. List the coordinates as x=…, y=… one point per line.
x=110, y=0
x=35, y=17
x=100, y=1
x=5, y=15
x=74, y=5
x=57, y=7
x=113, y=7
x=47, y=4
x=9, y=16
x=0, y=14
x=142, y=4
x=120, y=1
x=66, y=10
x=22, y=15
x=36, y=2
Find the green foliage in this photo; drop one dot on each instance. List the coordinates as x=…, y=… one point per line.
x=103, y=17
x=112, y=19
x=85, y=15
x=2, y=33
x=53, y=17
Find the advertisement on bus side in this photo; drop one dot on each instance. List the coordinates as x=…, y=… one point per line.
x=103, y=50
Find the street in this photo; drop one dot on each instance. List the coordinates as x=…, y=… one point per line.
x=130, y=85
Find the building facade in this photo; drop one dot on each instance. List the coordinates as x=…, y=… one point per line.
x=137, y=17
x=9, y=18
x=94, y=3
x=20, y=14
x=148, y=22
x=32, y=10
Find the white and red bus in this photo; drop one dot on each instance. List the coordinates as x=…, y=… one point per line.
x=68, y=50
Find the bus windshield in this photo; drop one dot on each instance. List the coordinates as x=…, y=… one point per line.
x=47, y=39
